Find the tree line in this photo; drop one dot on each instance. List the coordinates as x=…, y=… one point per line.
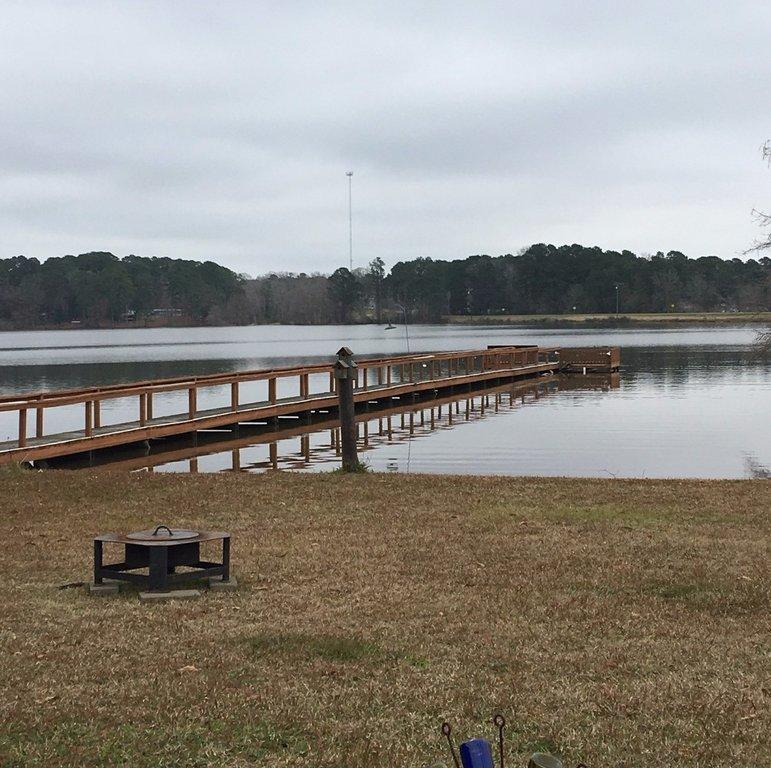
x=100, y=289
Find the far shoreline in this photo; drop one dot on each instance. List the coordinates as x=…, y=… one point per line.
x=568, y=321
x=631, y=320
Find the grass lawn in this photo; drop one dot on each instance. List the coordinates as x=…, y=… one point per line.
x=623, y=623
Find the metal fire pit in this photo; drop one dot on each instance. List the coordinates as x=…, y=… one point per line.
x=161, y=551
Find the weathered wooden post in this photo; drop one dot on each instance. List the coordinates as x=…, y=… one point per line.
x=345, y=375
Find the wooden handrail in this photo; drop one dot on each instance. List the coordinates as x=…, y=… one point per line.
x=69, y=397
x=459, y=364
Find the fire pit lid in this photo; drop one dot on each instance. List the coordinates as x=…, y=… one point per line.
x=163, y=533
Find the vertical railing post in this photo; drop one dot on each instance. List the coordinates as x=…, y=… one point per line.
x=234, y=396
x=272, y=390
x=149, y=406
x=22, y=427
x=365, y=379
x=97, y=414
x=89, y=417
x=305, y=385
x=39, y=420
x=192, y=401
x=142, y=409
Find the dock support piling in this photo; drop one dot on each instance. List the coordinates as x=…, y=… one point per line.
x=345, y=375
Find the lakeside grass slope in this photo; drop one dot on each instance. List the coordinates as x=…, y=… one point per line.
x=622, y=623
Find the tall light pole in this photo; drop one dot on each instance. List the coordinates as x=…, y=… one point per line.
x=406, y=324
x=349, y=174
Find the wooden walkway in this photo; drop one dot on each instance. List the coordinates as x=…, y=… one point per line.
x=312, y=389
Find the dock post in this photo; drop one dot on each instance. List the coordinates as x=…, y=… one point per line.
x=89, y=417
x=22, y=427
x=345, y=374
x=97, y=413
x=39, y=422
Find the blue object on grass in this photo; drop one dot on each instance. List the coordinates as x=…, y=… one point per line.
x=476, y=753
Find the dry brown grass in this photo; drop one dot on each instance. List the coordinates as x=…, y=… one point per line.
x=610, y=621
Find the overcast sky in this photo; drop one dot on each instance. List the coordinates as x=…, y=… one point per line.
x=224, y=130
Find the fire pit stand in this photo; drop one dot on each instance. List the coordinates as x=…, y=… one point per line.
x=161, y=551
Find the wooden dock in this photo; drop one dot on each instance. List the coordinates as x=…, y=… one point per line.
x=285, y=392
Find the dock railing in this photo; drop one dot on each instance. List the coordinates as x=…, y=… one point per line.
x=591, y=358
x=373, y=374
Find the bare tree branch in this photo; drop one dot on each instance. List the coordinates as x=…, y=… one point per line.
x=763, y=219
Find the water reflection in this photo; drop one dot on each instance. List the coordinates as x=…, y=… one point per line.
x=691, y=402
x=383, y=432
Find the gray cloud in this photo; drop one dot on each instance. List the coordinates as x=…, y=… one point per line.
x=200, y=131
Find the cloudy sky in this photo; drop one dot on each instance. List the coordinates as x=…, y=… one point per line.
x=224, y=130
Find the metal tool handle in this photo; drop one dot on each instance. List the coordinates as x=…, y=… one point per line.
x=155, y=532
x=499, y=721
x=447, y=731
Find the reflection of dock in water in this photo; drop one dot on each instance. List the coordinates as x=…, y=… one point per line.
x=318, y=442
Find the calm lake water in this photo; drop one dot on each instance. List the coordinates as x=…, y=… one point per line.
x=689, y=402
